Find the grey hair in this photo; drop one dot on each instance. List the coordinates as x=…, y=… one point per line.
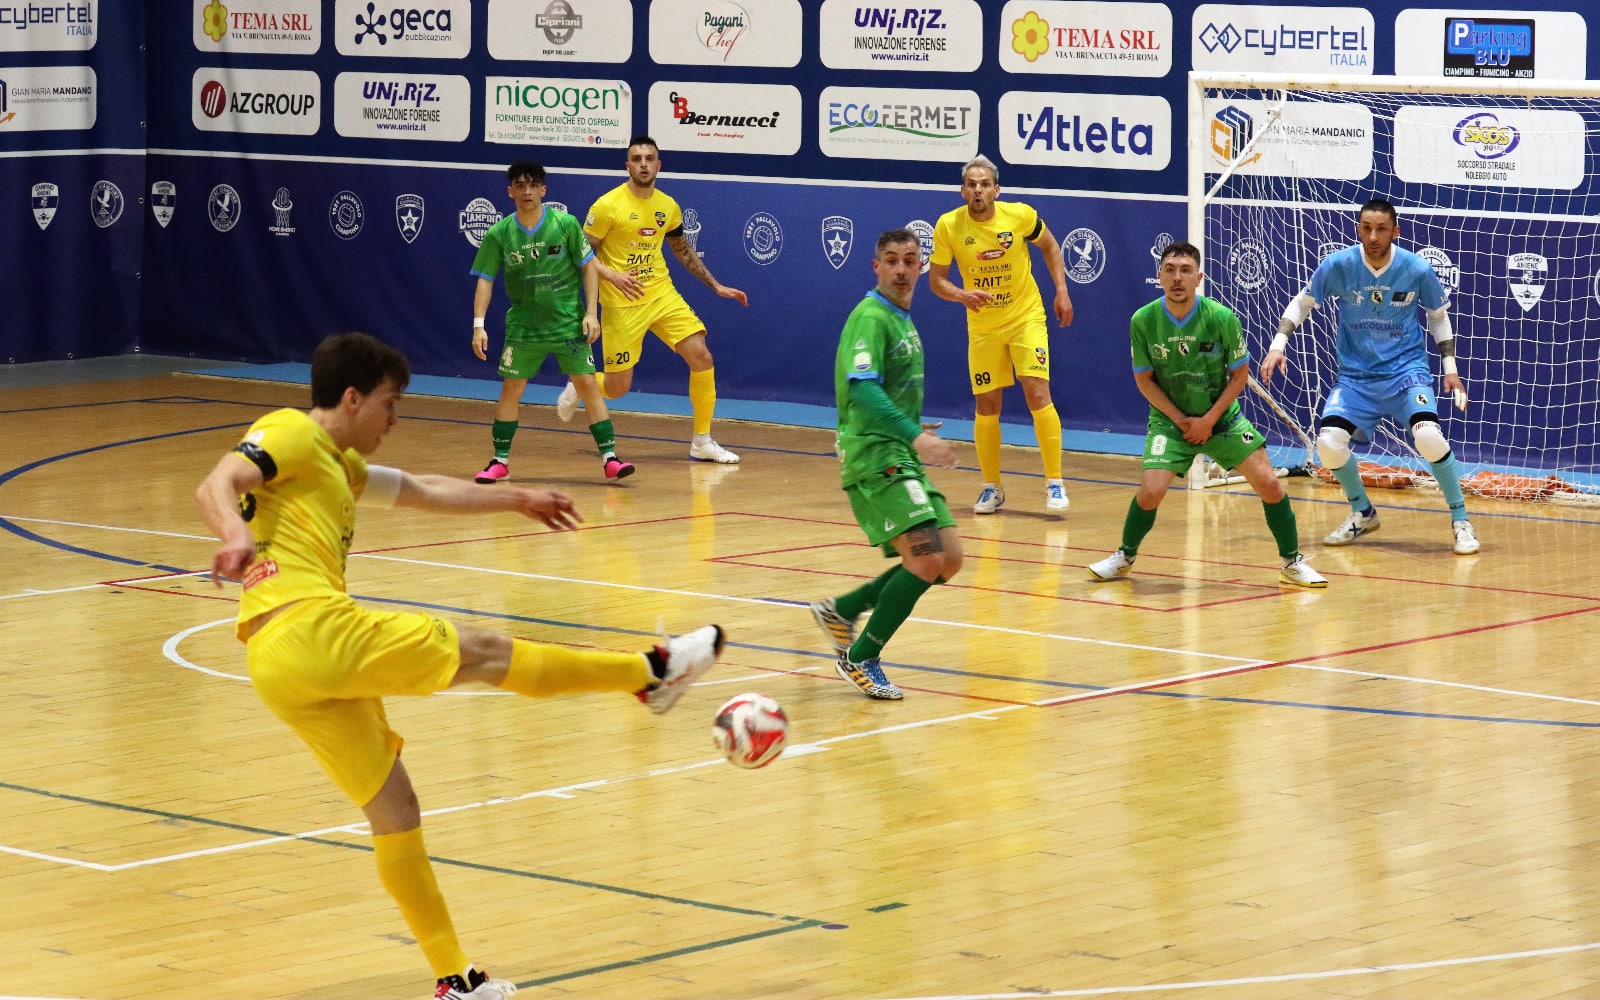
x=981, y=161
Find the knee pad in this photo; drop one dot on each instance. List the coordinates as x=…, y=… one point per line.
x=1428, y=436
x=1333, y=447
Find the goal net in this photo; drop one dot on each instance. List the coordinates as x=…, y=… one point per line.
x=1497, y=185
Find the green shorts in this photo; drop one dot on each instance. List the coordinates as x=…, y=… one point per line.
x=523, y=356
x=894, y=502
x=1165, y=448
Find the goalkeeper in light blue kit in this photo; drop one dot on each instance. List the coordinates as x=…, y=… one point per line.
x=1383, y=363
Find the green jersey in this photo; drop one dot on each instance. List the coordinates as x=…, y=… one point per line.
x=544, y=273
x=1191, y=359
x=880, y=343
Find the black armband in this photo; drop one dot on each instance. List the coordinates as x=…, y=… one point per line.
x=258, y=457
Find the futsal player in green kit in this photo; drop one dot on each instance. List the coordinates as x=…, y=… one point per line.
x=553, y=281
x=882, y=447
x=1190, y=361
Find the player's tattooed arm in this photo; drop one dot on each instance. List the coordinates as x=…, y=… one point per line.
x=690, y=259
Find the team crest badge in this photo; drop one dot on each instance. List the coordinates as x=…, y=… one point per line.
x=1005, y=239
x=105, y=203
x=408, y=213
x=924, y=233
x=1526, y=272
x=838, y=235
x=661, y=220
x=163, y=201
x=222, y=206
x=46, y=197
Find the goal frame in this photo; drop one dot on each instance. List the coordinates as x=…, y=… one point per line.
x=1200, y=162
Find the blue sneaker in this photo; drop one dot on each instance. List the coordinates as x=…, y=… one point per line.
x=989, y=499
x=869, y=677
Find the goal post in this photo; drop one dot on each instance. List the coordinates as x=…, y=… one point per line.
x=1497, y=186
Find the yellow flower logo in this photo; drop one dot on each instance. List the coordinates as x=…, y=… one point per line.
x=1030, y=37
x=216, y=21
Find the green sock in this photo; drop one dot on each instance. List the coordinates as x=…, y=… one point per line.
x=1280, y=518
x=604, y=437
x=1137, y=525
x=865, y=597
x=501, y=432
x=895, y=601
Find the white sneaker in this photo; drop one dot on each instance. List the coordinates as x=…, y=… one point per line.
x=455, y=988
x=567, y=403
x=1055, y=495
x=1466, y=538
x=710, y=451
x=1113, y=567
x=1353, y=527
x=990, y=499
x=1297, y=572
x=688, y=656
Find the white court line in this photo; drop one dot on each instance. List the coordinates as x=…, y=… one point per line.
x=47, y=593
x=1452, y=684
x=110, y=527
x=1291, y=977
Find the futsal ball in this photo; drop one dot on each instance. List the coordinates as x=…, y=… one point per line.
x=750, y=730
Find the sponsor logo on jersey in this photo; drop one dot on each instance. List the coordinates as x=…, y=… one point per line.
x=163, y=201
x=1085, y=255
x=46, y=197
x=346, y=215
x=474, y=220
x=763, y=238
x=991, y=254
x=223, y=207
x=1525, y=274
x=105, y=203
x=282, y=206
x=838, y=235
x=409, y=210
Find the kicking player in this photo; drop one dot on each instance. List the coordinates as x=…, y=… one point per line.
x=283, y=502
x=626, y=227
x=1383, y=364
x=553, y=282
x=988, y=241
x=882, y=445
x=1191, y=363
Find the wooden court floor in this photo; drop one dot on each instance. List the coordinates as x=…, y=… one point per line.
x=1187, y=784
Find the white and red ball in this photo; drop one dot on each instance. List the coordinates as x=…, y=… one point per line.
x=750, y=730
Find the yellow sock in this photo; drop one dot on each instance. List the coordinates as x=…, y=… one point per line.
x=1047, y=428
x=703, y=398
x=540, y=671
x=986, y=435
x=406, y=872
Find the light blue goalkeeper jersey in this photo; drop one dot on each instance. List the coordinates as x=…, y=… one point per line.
x=1380, y=323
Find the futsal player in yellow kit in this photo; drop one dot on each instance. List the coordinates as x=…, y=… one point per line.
x=283, y=502
x=988, y=240
x=626, y=227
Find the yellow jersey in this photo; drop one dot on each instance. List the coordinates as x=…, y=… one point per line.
x=303, y=517
x=631, y=229
x=993, y=257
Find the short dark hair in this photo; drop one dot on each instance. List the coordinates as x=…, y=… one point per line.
x=1379, y=205
x=531, y=169
x=643, y=140
x=1180, y=248
x=357, y=361
x=901, y=235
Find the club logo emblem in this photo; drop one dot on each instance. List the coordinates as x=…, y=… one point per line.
x=223, y=205
x=837, y=238
x=46, y=197
x=408, y=215
x=163, y=201
x=105, y=203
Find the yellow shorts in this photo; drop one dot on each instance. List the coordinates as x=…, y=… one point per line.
x=324, y=665
x=623, y=328
x=992, y=356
